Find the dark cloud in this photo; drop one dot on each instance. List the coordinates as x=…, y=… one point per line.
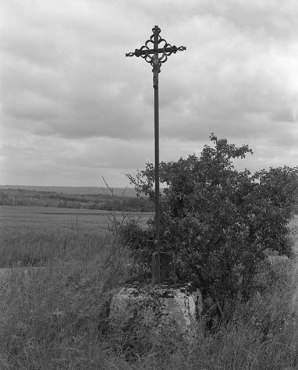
x=70, y=97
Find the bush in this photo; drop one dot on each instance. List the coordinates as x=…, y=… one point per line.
x=218, y=221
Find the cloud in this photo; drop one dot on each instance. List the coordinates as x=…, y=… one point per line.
x=67, y=84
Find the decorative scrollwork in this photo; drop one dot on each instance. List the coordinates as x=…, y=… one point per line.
x=154, y=47
x=130, y=54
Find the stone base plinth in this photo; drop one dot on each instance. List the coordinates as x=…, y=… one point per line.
x=158, y=309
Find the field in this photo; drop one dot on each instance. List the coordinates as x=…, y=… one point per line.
x=54, y=318
x=60, y=220
x=37, y=235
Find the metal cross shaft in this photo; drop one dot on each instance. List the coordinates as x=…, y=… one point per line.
x=155, y=56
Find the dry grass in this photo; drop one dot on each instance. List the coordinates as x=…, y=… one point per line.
x=54, y=318
x=53, y=323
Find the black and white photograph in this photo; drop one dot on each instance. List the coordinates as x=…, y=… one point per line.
x=149, y=184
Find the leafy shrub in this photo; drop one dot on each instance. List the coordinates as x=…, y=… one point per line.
x=218, y=221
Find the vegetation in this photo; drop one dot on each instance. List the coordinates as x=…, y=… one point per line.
x=230, y=233
x=54, y=318
x=220, y=223
x=24, y=197
x=35, y=235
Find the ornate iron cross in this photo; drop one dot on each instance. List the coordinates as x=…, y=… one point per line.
x=152, y=55
x=156, y=56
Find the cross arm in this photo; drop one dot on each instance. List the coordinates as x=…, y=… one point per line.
x=145, y=51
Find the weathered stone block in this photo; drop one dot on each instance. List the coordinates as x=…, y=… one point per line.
x=158, y=308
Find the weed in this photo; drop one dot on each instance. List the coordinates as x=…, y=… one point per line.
x=53, y=318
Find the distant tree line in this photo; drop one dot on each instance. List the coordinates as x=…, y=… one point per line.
x=23, y=197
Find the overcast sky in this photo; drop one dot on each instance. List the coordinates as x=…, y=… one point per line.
x=74, y=108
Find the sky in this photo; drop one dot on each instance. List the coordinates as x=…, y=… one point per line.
x=74, y=109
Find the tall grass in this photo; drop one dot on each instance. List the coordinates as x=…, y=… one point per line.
x=41, y=248
x=49, y=318
x=55, y=317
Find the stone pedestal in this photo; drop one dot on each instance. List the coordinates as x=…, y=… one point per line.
x=158, y=309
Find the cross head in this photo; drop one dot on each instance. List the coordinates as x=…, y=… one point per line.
x=158, y=53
